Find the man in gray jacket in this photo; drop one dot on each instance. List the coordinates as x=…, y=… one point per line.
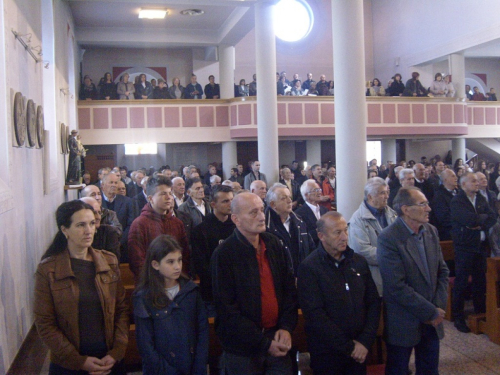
x=372, y=216
x=254, y=175
x=415, y=279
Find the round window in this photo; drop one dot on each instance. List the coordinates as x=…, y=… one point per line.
x=293, y=20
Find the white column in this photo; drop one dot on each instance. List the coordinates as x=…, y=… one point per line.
x=388, y=148
x=229, y=158
x=458, y=149
x=456, y=63
x=313, y=149
x=350, y=110
x=226, y=71
x=267, y=113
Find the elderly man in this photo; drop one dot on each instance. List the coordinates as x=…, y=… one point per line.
x=254, y=294
x=121, y=189
x=100, y=176
x=415, y=279
x=287, y=226
x=106, y=237
x=214, y=181
x=141, y=199
x=406, y=177
x=193, y=90
x=329, y=187
x=135, y=186
x=441, y=203
x=372, y=216
x=259, y=188
x=195, y=206
x=471, y=218
x=311, y=211
x=86, y=178
x=422, y=182
x=254, y=175
x=179, y=191
x=124, y=207
x=340, y=331
x=208, y=235
x=292, y=185
x=485, y=192
x=107, y=216
x=156, y=218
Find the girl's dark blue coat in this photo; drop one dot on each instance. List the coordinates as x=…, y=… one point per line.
x=173, y=340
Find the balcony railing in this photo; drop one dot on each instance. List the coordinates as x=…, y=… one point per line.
x=177, y=121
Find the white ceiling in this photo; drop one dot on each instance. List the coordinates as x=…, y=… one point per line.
x=115, y=23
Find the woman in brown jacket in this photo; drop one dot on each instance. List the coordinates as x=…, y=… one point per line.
x=80, y=309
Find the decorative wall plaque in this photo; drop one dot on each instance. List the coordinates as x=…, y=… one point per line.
x=19, y=120
x=31, y=123
x=40, y=126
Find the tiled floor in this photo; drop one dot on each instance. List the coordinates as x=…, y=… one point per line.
x=461, y=354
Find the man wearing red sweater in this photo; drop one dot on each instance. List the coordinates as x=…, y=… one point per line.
x=156, y=218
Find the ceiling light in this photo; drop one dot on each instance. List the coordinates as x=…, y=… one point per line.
x=152, y=13
x=192, y=12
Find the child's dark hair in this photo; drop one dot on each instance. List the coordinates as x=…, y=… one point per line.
x=151, y=281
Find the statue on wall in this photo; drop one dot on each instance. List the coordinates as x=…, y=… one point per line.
x=74, y=164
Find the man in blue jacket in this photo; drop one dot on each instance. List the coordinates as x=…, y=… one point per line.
x=471, y=218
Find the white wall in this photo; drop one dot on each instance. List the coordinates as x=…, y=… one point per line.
x=417, y=32
x=415, y=149
x=28, y=225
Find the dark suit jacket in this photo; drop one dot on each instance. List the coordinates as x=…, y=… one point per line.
x=126, y=210
x=140, y=201
x=441, y=212
x=410, y=298
x=427, y=188
x=309, y=218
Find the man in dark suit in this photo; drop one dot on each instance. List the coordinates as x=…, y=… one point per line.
x=441, y=203
x=489, y=195
x=415, y=280
x=311, y=211
x=422, y=183
x=292, y=185
x=124, y=207
x=471, y=218
x=140, y=200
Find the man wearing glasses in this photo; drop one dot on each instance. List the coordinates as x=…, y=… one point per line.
x=311, y=211
x=415, y=280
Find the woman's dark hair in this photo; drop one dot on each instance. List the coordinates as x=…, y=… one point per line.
x=398, y=75
x=110, y=76
x=64, y=213
x=437, y=75
x=242, y=80
x=376, y=79
x=151, y=281
x=456, y=165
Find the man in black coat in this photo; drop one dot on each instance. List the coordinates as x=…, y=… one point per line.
x=471, y=218
x=292, y=185
x=125, y=209
x=208, y=235
x=339, y=300
x=311, y=211
x=489, y=195
x=441, y=212
x=422, y=183
x=254, y=294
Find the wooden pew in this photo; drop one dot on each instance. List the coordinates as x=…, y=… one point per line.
x=448, y=254
x=492, y=325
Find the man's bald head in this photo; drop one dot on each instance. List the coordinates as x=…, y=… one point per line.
x=449, y=179
x=93, y=202
x=239, y=201
x=93, y=192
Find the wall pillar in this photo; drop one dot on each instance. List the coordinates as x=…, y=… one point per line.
x=267, y=113
x=458, y=149
x=313, y=149
x=229, y=158
x=456, y=64
x=226, y=71
x=388, y=148
x=350, y=110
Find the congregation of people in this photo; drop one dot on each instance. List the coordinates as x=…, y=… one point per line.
x=442, y=86
x=249, y=252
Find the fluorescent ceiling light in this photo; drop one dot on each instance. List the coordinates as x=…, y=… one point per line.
x=152, y=13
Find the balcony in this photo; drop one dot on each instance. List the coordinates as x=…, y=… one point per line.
x=179, y=121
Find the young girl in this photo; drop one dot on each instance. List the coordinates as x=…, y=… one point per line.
x=170, y=317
